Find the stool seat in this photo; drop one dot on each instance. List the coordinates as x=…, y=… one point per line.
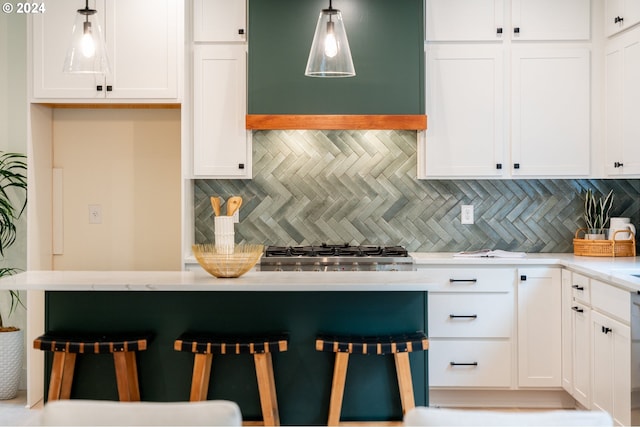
x=399, y=345
x=67, y=345
x=91, y=343
x=416, y=341
x=205, y=344
x=208, y=343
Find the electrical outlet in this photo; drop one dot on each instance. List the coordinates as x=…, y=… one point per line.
x=466, y=214
x=95, y=214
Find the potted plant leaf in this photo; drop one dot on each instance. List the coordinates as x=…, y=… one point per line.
x=596, y=214
x=13, y=168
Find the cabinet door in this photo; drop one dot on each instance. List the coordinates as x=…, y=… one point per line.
x=581, y=349
x=219, y=20
x=464, y=20
x=539, y=337
x=51, y=37
x=620, y=15
x=143, y=45
x=550, y=112
x=611, y=369
x=622, y=92
x=465, y=109
x=220, y=146
x=551, y=19
x=567, y=332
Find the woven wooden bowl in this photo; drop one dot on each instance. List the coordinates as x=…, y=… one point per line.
x=243, y=259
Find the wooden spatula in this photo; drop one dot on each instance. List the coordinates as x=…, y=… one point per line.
x=215, y=204
x=233, y=204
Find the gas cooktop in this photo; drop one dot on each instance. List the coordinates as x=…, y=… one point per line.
x=340, y=257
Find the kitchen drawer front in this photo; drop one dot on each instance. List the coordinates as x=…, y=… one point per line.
x=471, y=279
x=471, y=315
x=611, y=300
x=488, y=363
x=581, y=288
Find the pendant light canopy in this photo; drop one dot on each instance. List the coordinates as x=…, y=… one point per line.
x=330, y=55
x=87, y=53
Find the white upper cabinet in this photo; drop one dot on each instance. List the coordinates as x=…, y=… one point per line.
x=142, y=38
x=551, y=19
x=464, y=20
x=550, y=111
x=622, y=92
x=484, y=20
x=620, y=15
x=466, y=125
x=221, y=147
x=219, y=20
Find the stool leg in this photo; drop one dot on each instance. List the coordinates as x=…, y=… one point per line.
x=200, y=379
x=267, y=388
x=403, y=371
x=61, y=375
x=337, y=388
x=126, y=376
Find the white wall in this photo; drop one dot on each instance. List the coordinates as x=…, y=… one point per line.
x=13, y=131
x=127, y=161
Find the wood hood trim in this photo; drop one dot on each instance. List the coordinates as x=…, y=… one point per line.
x=333, y=122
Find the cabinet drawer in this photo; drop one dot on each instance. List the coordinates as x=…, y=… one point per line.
x=471, y=315
x=611, y=300
x=469, y=363
x=580, y=288
x=469, y=279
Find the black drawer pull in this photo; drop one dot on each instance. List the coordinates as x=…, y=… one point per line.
x=577, y=309
x=618, y=19
x=463, y=316
x=606, y=330
x=578, y=287
x=463, y=280
x=463, y=364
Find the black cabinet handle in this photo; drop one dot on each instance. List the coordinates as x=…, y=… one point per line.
x=577, y=309
x=516, y=30
x=618, y=164
x=606, y=330
x=109, y=88
x=99, y=88
x=618, y=19
x=523, y=278
x=499, y=166
x=240, y=165
x=516, y=165
x=463, y=280
x=463, y=364
x=241, y=31
x=578, y=287
x=463, y=316
x=499, y=30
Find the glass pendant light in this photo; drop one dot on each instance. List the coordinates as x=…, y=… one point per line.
x=87, y=53
x=330, y=55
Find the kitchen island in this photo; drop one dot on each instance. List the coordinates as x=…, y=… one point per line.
x=302, y=304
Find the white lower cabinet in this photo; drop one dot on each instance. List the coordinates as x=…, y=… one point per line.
x=539, y=334
x=471, y=327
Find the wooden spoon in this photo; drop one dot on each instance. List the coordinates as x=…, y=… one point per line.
x=233, y=204
x=215, y=204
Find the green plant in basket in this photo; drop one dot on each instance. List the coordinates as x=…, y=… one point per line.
x=597, y=211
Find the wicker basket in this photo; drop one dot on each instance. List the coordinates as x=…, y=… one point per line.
x=235, y=264
x=608, y=248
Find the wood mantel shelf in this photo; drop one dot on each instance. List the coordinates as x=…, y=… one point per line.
x=334, y=122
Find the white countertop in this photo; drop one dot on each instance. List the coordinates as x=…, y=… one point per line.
x=616, y=271
x=202, y=281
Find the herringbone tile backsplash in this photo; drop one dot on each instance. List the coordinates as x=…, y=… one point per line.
x=360, y=187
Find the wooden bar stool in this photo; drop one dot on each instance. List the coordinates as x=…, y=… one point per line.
x=205, y=345
x=398, y=345
x=65, y=347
